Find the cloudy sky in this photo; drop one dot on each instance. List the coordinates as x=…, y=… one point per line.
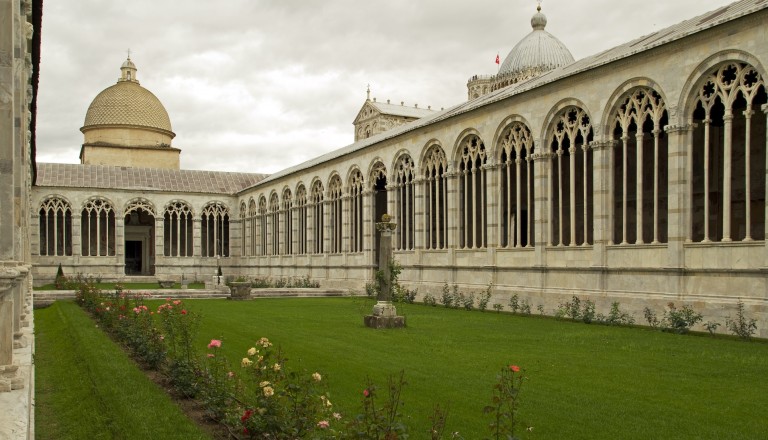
x=259, y=85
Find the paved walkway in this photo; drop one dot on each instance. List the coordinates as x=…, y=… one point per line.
x=17, y=407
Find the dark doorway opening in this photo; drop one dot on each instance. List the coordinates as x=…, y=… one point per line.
x=133, y=257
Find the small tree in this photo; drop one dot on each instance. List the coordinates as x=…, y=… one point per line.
x=61, y=280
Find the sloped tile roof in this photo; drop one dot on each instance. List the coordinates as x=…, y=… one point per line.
x=145, y=179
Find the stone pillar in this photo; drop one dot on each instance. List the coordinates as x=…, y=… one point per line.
x=197, y=235
x=541, y=168
x=602, y=227
x=159, y=238
x=368, y=221
x=764, y=108
x=419, y=213
x=492, y=216
x=679, y=148
x=8, y=369
x=452, y=211
x=384, y=312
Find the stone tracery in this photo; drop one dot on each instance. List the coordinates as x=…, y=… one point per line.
x=570, y=215
x=177, y=230
x=472, y=193
x=214, y=224
x=639, y=164
x=55, y=227
x=516, y=185
x=98, y=228
x=435, y=169
x=728, y=156
x=403, y=195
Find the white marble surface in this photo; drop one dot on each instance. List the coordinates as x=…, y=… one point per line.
x=17, y=406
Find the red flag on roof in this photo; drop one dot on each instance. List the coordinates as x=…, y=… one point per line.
x=497, y=58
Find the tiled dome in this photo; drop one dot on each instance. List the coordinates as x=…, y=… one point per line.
x=127, y=103
x=539, y=51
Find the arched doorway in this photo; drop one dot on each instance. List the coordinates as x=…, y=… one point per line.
x=139, y=241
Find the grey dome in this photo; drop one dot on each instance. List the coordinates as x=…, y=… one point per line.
x=538, y=51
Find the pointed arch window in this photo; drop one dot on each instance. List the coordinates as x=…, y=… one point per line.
x=639, y=169
x=177, y=230
x=253, y=227
x=318, y=212
x=214, y=225
x=274, y=224
x=55, y=227
x=336, y=214
x=435, y=183
x=97, y=228
x=404, y=203
x=263, y=230
x=516, y=187
x=472, y=194
x=570, y=201
x=302, y=220
x=728, y=156
x=287, y=222
x=243, y=229
x=356, y=188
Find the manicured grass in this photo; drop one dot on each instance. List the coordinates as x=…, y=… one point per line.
x=585, y=381
x=128, y=286
x=87, y=388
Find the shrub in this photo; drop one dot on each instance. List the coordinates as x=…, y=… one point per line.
x=468, y=301
x=278, y=403
x=525, y=307
x=680, y=320
x=498, y=307
x=514, y=303
x=588, y=312
x=430, y=300
x=616, y=316
x=711, y=326
x=573, y=308
x=446, y=299
x=482, y=303
x=741, y=326
x=380, y=421
x=650, y=317
x=505, y=403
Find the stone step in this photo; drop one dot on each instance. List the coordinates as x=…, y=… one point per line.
x=44, y=298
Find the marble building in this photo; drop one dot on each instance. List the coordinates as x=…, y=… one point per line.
x=635, y=175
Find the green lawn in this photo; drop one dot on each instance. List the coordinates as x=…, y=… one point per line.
x=87, y=388
x=585, y=381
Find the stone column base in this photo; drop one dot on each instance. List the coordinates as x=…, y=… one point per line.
x=373, y=321
x=19, y=341
x=9, y=379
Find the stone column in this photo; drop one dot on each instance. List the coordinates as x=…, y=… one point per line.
x=384, y=312
x=452, y=211
x=8, y=369
x=419, y=217
x=197, y=235
x=492, y=215
x=602, y=227
x=679, y=148
x=764, y=108
x=159, y=239
x=541, y=168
